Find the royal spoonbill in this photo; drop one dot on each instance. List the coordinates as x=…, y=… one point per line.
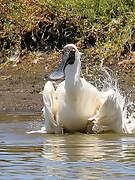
x=76, y=105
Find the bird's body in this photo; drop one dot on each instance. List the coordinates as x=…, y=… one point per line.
x=76, y=104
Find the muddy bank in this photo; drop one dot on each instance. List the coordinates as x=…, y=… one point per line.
x=22, y=95
x=21, y=86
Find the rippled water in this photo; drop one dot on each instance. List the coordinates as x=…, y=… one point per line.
x=70, y=156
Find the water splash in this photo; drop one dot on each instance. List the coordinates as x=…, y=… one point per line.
x=37, y=126
x=41, y=131
x=107, y=80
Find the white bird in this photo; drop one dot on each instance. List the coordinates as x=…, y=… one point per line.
x=77, y=105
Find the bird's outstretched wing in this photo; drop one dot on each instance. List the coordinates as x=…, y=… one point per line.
x=51, y=125
x=109, y=116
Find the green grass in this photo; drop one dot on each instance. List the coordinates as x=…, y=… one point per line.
x=110, y=23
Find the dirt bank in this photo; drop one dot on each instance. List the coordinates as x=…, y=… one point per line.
x=21, y=85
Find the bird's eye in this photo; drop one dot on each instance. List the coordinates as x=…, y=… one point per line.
x=73, y=50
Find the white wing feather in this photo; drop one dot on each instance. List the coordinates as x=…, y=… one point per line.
x=109, y=116
x=50, y=123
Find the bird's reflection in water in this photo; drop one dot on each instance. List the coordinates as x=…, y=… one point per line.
x=88, y=148
x=87, y=156
x=76, y=147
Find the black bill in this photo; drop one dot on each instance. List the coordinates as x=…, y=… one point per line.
x=59, y=73
x=68, y=57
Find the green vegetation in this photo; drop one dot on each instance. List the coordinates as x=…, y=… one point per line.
x=105, y=27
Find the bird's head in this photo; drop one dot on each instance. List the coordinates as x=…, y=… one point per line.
x=69, y=56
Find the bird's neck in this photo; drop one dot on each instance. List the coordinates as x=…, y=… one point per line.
x=72, y=78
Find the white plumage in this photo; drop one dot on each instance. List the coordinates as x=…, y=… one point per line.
x=77, y=105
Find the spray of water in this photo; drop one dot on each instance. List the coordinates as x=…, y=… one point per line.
x=106, y=80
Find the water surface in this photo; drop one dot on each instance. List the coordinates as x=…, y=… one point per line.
x=69, y=156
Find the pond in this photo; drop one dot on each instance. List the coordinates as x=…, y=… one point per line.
x=70, y=156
